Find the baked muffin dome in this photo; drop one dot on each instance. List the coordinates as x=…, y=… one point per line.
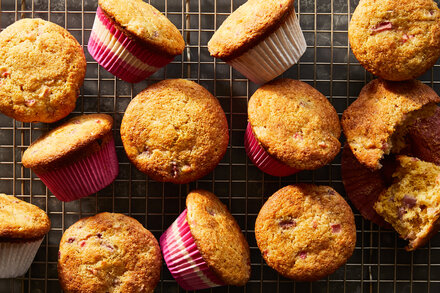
x=108, y=253
x=175, y=131
x=42, y=67
x=396, y=40
x=305, y=232
x=295, y=123
x=375, y=123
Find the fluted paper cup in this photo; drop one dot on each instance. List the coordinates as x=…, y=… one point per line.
x=274, y=55
x=184, y=260
x=83, y=177
x=128, y=59
x=263, y=160
x=17, y=257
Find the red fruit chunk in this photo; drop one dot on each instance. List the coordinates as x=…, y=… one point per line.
x=383, y=26
x=336, y=228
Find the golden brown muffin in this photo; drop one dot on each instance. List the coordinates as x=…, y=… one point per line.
x=42, y=67
x=142, y=21
x=108, y=253
x=247, y=26
x=295, y=123
x=305, y=232
x=218, y=237
x=21, y=221
x=412, y=203
x=375, y=123
x=175, y=131
x=73, y=140
x=396, y=40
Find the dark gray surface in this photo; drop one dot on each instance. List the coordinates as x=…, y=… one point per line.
x=379, y=263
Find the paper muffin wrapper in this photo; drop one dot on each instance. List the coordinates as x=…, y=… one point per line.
x=83, y=177
x=125, y=58
x=17, y=257
x=184, y=260
x=274, y=55
x=262, y=159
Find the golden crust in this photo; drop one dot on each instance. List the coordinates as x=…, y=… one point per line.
x=42, y=67
x=74, y=139
x=305, y=232
x=247, y=26
x=295, y=123
x=20, y=220
x=175, y=131
x=108, y=253
x=146, y=23
x=218, y=237
x=396, y=40
x=382, y=106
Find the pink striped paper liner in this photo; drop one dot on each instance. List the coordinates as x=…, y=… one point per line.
x=83, y=177
x=184, y=260
x=262, y=159
x=125, y=58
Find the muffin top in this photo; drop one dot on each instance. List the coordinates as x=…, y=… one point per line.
x=384, y=109
x=175, y=131
x=247, y=26
x=218, y=237
x=20, y=220
x=146, y=23
x=396, y=40
x=295, y=123
x=108, y=253
x=305, y=232
x=42, y=67
x=74, y=139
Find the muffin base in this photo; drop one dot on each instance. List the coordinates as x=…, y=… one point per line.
x=274, y=55
x=17, y=257
x=117, y=53
x=85, y=176
x=262, y=159
x=184, y=260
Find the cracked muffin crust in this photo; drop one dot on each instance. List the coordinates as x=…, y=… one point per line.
x=74, y=139
x=375, y=123
x=142, y=21
x=175, y=131
x=108, y=252
x=20, y=220
x=396, y=40
x=305, y=232
x=218, y=237
x=42, y=67
x=295, y=123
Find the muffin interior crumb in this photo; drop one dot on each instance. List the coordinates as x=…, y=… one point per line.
x=412, y=203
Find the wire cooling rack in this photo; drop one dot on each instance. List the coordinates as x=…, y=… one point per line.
x=379, y=262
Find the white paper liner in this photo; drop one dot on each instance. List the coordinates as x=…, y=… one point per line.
x=17, y=257
x=274, y=55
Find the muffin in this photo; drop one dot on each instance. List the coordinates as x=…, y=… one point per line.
x=204, y=247
x=396, y=40
x=22, y=229
x=108, y=253
x=42, y=67
x=305, y=232
x=77, y=158
x=175, y=131
x=377, y=121
x=412, y=203
x=292, y=127
x=132, y=40
x=261, y=39
x=364, y=185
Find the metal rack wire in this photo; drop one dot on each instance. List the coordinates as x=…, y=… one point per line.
x=379, y=263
